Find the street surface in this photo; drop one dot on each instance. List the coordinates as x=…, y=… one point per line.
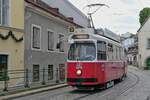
x=135, y=87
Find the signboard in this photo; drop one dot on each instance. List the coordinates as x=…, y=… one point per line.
x=71, y=29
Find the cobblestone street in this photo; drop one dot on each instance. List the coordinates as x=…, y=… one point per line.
x=135, y=87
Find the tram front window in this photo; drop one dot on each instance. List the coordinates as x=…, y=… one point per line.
x=82, y=52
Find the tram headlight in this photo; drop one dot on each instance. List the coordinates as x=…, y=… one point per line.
x=78, y=72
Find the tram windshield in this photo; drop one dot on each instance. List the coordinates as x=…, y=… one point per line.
x=82, y=52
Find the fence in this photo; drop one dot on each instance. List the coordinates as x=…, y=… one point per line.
x=14, y=79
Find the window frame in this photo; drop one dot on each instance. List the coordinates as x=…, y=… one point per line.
x=37, y=26
x=8, y=14
x=62, y=72
x=62, y=42
x=4, y=75
x=148, y=43
x=117, y=53
x=52, y=77
x=53, y=49
x=38, y=79
x=104, y=52
x=110, y=45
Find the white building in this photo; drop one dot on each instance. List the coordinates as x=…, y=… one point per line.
x=69, y=10
x=144, y=45
x=127, y=40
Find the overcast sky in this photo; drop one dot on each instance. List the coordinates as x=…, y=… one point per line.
x=121, y=17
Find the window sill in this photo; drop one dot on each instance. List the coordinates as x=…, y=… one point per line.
x=11, y=28
x=36, y=49
x=51, y=50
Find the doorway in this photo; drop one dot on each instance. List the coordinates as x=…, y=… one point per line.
x=3, y=67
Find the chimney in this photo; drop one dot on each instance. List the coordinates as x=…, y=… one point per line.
x=70, y=18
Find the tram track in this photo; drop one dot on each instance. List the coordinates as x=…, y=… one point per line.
x=113, y=93
x=131, y=86
x=121, y=89
x=103, y=93
x=74, y=93
x=108, y=94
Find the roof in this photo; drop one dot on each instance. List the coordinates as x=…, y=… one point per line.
x=79, y=11
x=54, y=11
x=143, y=23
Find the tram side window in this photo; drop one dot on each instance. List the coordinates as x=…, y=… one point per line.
x=120, y=51
x=101, y=50
x=110, y=51
x=117, y=53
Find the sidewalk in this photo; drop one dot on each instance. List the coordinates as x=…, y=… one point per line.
x=31, y=91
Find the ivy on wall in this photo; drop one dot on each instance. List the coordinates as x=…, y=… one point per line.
x=10, y=34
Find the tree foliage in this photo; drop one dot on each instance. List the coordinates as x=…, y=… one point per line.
x=144, y=14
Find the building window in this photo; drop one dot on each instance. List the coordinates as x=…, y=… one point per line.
x=62, y=72
x=101, y=50
x=36, y=73
x=36, y=37
x=50, y=40
x=3, y=67
x=148, y=43
x=60, y=45
x=4, y=12
x=50, y=72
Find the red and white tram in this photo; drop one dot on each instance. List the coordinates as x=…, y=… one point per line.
x=94, y=60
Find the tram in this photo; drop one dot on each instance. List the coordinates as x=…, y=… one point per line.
x=94, y=60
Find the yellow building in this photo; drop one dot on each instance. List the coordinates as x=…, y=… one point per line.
x=11, y=39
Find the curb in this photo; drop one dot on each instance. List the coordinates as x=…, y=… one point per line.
x=13, y=96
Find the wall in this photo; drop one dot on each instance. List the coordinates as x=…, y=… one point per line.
x=143, y=35
x=14, y=50
x=17, y=14
x=43, y=57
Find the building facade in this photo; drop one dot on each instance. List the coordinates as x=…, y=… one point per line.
x=144, y=45
x=132, y=54
x=128, y=39
x=46, y=35
x=130, y=43
x=11, y=40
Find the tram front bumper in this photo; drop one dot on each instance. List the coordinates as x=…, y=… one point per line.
x=82, y=81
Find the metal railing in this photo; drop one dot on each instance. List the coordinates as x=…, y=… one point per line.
x=25, y=78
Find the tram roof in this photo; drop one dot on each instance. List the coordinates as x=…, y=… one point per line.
x=100, y=35
x=103, y=38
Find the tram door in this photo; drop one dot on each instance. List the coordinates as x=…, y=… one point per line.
x=3, y=65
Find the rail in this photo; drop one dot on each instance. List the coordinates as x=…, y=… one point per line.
x=18, y=79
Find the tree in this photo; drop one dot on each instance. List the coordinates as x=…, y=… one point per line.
x=144, y=14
